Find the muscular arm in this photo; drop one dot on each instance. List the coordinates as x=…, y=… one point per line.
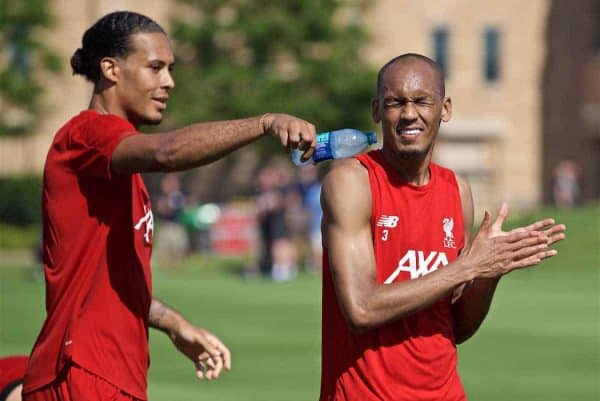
x=203, y=143
x=366, y=304
x=471, y=308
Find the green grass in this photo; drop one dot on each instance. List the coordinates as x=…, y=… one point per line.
x=541, y=340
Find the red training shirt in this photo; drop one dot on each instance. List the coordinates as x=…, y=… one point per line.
x=97, y=234
x=416, y=230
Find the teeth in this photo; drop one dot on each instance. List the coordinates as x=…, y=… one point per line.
x=410, y=131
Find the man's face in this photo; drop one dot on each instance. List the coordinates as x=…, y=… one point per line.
x=145, y=79
x=410, y=107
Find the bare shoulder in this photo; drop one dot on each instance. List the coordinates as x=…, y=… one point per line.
x=346, y=191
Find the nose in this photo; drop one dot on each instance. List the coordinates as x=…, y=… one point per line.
x=168, y=81
x=409, y=111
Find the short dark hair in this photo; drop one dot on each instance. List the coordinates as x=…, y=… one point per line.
x=413, y=57
x=110, y=36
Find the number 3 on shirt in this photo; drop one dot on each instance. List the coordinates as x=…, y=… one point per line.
x=384, y=235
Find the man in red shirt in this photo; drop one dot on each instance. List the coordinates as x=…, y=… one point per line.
x=403, y=280
x=98, y=223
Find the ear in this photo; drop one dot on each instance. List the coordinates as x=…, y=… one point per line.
x=375, y=111
x=446, y=109
x=109, y=66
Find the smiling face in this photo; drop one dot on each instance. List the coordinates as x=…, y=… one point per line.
x=143, y=78
x=410, y=106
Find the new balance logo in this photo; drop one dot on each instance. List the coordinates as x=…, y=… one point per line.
x=387, y=221
x=417, y=264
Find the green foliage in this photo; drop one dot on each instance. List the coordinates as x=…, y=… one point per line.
x=21, y=29
x=20, y=199
x=240, y=58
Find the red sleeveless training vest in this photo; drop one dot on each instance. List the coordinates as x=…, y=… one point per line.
x=415, y=230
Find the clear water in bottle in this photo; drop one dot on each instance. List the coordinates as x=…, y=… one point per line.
x=336, y=145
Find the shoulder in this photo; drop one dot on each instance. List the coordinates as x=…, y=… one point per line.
x=346, y=177
x=346, y=188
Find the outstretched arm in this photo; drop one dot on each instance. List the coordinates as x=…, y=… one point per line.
x=209, y=355
x=472, y=307
x=347, y=236
x=203, y=143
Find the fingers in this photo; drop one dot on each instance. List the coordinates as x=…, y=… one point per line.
x=502, y=213
x=226, y=355
x=209, y=367
x=532, y=260
x=556, y=233
x=485, y=223
x=294, y=133
x=518, y=235
x=539, y=225
x=524, y=239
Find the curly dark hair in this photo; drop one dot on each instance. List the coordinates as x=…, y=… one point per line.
x=110, y=36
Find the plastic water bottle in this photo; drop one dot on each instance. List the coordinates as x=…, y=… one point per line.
x=336, y=145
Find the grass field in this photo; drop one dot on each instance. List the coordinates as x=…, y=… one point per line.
x=541, y=340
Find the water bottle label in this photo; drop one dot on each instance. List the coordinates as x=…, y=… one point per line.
x=323, y=148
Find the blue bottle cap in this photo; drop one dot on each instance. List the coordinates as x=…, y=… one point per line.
x=371, y=137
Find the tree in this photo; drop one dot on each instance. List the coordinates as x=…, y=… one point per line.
x=22, y=23
x=239, y=58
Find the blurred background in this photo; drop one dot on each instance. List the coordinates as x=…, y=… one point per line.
x=237, y=245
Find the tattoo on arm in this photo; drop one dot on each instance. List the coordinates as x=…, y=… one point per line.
x=162, y=317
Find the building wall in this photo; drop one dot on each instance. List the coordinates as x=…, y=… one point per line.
x=494, y=136
x=571, y=110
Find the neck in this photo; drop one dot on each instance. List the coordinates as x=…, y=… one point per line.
x=413, y=170
x=105, y=101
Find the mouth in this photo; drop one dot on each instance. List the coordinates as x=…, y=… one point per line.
x=409, y=133
x=160, y=102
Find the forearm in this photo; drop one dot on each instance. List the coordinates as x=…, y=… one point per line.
x=203, y=143
x=382, y=304
x=472, y=307
x=164, y=318
x=184, y=148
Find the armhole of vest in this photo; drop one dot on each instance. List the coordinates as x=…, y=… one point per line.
x=460, y=206
x=369, y=164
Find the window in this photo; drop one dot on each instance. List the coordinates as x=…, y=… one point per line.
x=491, y=55
x=440, y=48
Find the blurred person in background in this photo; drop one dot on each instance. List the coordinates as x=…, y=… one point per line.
x=566, y=186
x=98, y=223
x=278, y=256
x=310, y=187
x=12, y=371
x=404, y=281
x=172, y=241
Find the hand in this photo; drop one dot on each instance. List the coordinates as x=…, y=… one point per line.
x=293, y=132
x=494, y=252
x=547, y=227
x=209, y=355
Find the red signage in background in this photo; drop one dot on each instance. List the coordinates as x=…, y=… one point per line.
x=234, y=233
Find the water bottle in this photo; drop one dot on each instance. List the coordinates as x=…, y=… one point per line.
x=337, y=144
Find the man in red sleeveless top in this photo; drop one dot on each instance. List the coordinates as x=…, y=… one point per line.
x=98, y=223
x=403, y=281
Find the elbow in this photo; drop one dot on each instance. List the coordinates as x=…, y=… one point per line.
x=358, y=320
